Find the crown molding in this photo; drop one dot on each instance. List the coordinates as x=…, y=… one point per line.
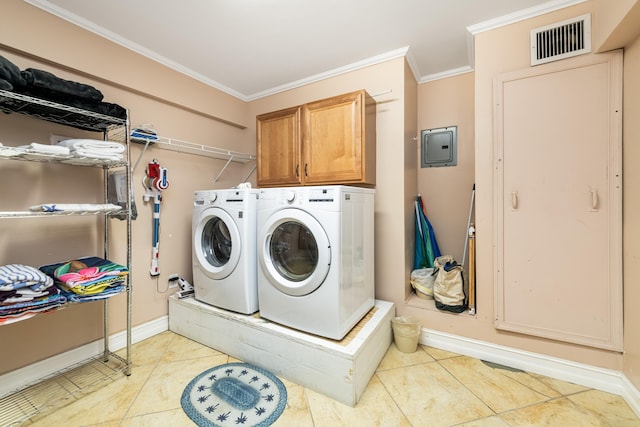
x=521, y=15
x=378, y=59
x=531, y=12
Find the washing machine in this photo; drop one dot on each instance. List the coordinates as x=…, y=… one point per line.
x=224, y=249
x=316, y=257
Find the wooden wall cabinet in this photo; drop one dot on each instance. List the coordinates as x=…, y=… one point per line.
x=331, y=141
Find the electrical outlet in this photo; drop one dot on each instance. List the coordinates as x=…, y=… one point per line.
x=173, y=281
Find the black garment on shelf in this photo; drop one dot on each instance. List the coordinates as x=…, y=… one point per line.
x=11, y=74
x=47, y=86
x=43, y=84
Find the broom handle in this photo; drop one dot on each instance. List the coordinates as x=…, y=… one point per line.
x=466, y=234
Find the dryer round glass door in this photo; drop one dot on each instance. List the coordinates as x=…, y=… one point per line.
x=216, y=243
x=295, y=252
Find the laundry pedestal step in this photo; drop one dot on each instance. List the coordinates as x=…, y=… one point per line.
x=338, y=369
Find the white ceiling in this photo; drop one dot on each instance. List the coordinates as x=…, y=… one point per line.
x=253, y=48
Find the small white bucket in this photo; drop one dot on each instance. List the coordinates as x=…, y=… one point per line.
x=406, y=333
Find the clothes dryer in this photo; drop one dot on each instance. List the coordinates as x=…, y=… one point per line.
x=224, y=249
x=315, y=256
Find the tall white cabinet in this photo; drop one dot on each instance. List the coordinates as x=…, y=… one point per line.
x=112, y=128
x=558, y=201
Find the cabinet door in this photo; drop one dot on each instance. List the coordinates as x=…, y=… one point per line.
x=559, y=201
x=334, y=140
x=278, y=148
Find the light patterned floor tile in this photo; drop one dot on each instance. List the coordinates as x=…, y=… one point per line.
x=171, y=418
x=562, y=387
x=613, y=410
x=554, y=413
x=497, y=390
x=149, y=351
x=394, y=358
x=536, y=384
x=296, y=413
x=438, y=354
x=494, y=421
x=430, y=396
x=109, y=403
x=181, y=348
x=429, y=387
x=376, y=408
x=165, y=387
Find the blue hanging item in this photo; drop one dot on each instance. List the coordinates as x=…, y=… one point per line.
x=154, y=182
x=432, y=234
x=426, y=246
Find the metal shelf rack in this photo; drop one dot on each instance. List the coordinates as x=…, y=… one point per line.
x=79, y=118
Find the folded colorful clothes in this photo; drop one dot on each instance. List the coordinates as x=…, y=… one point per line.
x=26, y=294
x=114, y=289
x=16, y=276
x=86, y=276
x=39, y=304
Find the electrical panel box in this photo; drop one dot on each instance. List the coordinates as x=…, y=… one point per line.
x=439, y=147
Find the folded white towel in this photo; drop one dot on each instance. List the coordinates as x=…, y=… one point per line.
x=95, y=154
x=11, y=151
x=75, y=207
x=48, y=149
x=93, y=144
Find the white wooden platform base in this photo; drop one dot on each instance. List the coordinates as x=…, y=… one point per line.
x=338, y=369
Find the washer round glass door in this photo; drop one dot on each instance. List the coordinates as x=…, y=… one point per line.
x=216, y=243
x=295, y=252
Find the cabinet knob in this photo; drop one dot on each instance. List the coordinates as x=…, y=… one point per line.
x=305, y=170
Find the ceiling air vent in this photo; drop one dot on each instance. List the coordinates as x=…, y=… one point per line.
x=561, y=40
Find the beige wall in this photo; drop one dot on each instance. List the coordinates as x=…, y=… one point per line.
x=446, y=191
x=184, y=109
x=499, y=51
x=410, y=173
x=631, y=206
x=447, y=102
x=614, y=23
x=177, y=106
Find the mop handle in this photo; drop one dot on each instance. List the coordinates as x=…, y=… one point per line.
x=155, y=268
x=466, y=234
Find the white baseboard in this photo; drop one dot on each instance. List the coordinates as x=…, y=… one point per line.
x=22, y=377
x=586, y=375
x=631, y=394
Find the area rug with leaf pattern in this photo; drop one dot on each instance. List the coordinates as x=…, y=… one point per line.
x=234, y=394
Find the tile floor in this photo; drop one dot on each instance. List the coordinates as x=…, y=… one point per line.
x=430, y=387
